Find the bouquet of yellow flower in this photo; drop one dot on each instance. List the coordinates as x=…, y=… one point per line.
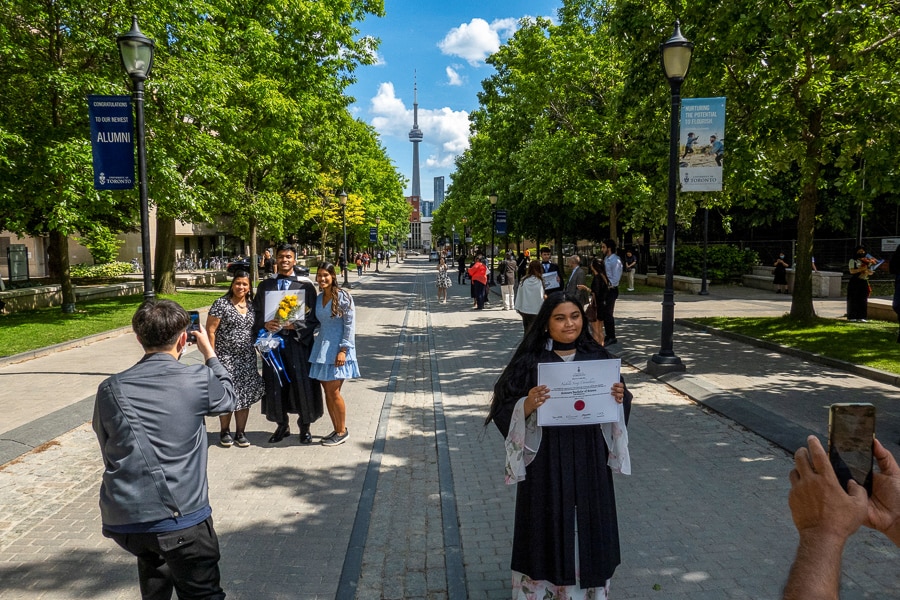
x=289, y=309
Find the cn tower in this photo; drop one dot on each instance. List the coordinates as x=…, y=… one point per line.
x=415, y=136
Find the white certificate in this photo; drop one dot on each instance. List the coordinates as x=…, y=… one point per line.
x=274, y=297
x=580, y=392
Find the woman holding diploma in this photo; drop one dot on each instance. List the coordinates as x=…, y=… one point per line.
x=566, y=537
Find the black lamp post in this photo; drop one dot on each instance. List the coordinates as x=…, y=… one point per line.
x=676, y=60
x=342, y=197
x=466, y=238
x=704, y=288
x=377, y=243
x=493, y=199
x=136, y=51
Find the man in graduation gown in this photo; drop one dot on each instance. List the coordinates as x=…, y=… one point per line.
x=301, y=395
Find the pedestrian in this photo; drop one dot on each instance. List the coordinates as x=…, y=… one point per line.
x=478, y=275
x=443, y=280
x=629, y=268
x=522, y=263
x=577, y=277
x=552, y=282
x=333, y=357
x=230, y=329
x=858, y=286
x=612, y=265
x=507, y=280
x=359, y=265
x=150, y=423
x=290, y=391
x=461, y=267
x=596, y=312
x=531, y=294
x=566, y=534
x=266, y=265
x=780, y=279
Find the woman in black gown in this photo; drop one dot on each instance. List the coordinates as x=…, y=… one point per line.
x=566, y=538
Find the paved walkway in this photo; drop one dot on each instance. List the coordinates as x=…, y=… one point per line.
x=414, y=505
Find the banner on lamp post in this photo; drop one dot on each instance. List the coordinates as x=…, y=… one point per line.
x=112, y=142
x=500, y=222
x=702, y=144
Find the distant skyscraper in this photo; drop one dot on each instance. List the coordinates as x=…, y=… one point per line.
x=415, y=136
x=438, y=192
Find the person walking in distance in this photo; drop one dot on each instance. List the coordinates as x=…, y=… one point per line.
x=150, y=423
x=613, y=266
x=507, y=280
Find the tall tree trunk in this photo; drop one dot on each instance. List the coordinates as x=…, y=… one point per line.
x=801, y=304
x=58, y=259
x=254, y=258
x=164, y=260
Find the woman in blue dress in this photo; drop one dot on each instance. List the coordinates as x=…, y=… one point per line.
x=333, y=356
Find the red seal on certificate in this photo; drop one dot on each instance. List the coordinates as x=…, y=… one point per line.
x=579, y=405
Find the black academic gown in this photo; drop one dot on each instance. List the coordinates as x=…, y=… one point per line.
x=302, y=396
x=569, y=470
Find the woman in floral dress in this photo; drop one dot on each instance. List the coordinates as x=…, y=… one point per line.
x=566, y=535
x=230, y=329
x=443, y=280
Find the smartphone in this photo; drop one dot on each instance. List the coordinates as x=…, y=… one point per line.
x=194, y=325
x=851, y=434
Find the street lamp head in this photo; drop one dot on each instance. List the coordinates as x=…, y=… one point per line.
x=342, y=197
x=136, y=51
x=676, y=55
x=493, y=199
x=377, y=221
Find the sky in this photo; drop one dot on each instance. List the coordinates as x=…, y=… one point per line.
x=441, y=46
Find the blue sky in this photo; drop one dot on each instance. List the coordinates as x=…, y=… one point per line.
x=442, y=44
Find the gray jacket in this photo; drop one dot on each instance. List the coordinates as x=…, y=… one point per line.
x=160, y=403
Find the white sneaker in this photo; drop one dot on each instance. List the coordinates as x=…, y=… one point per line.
x=630, y=289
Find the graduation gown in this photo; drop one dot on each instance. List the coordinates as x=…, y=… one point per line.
x=302, y=396
x=568, y=471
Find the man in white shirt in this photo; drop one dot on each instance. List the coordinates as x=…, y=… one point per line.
x=613, y=265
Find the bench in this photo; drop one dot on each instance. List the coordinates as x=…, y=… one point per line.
x=825, y=284
x=881, y=310
x=51, y=295
x=679, y=282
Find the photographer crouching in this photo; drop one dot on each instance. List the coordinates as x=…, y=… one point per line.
x=149, y=421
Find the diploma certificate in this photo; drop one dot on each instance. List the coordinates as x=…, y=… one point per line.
x=273, y=299
x=580, y=392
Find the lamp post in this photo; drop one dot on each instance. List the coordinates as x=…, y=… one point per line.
x=377, y=243
x=342, y=198
x=493, y=200
x=676, y=60
x=466, y=238
x=704, y=289
x=136, y=51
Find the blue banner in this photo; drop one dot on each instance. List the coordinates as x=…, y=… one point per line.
x=373, y=234
x=500, y=222
x=702, y=144
x=112, y=144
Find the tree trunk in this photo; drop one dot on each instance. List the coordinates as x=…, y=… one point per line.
x=254, y=258
x=58, y=259
x=801, y=304
x=164, y=261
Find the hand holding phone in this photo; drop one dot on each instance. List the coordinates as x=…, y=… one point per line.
x=851, y=435
x=193, y=326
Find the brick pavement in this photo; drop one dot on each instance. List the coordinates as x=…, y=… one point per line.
x=703, y=516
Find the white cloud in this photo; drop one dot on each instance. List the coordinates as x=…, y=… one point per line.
x=476, y=40
x=453, y=78
x=446, y=131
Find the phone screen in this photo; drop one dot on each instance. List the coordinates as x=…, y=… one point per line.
x=194, y=325
x=851, y=432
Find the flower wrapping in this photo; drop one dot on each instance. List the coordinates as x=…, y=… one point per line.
x=269, y=345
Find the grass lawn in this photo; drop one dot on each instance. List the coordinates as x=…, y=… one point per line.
x=33, y=329
x=872, y=344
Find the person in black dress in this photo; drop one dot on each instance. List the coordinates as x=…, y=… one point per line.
x=559, y=468
x=780, y=279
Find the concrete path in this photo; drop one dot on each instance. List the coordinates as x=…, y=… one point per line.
x=414, y=505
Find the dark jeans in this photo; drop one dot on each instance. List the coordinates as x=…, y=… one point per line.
x=186, y=561
x=479, y=291
x=527, y=320
x=461, y=278
x=609, y=322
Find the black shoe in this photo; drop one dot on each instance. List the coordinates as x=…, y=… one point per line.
x=610, y=341
x=225, y=439
x=305, y=436
x=282, y=432
x=240, y=440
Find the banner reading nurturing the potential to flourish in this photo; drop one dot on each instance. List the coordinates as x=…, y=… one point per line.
x=702, y=144
x=111, y=142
